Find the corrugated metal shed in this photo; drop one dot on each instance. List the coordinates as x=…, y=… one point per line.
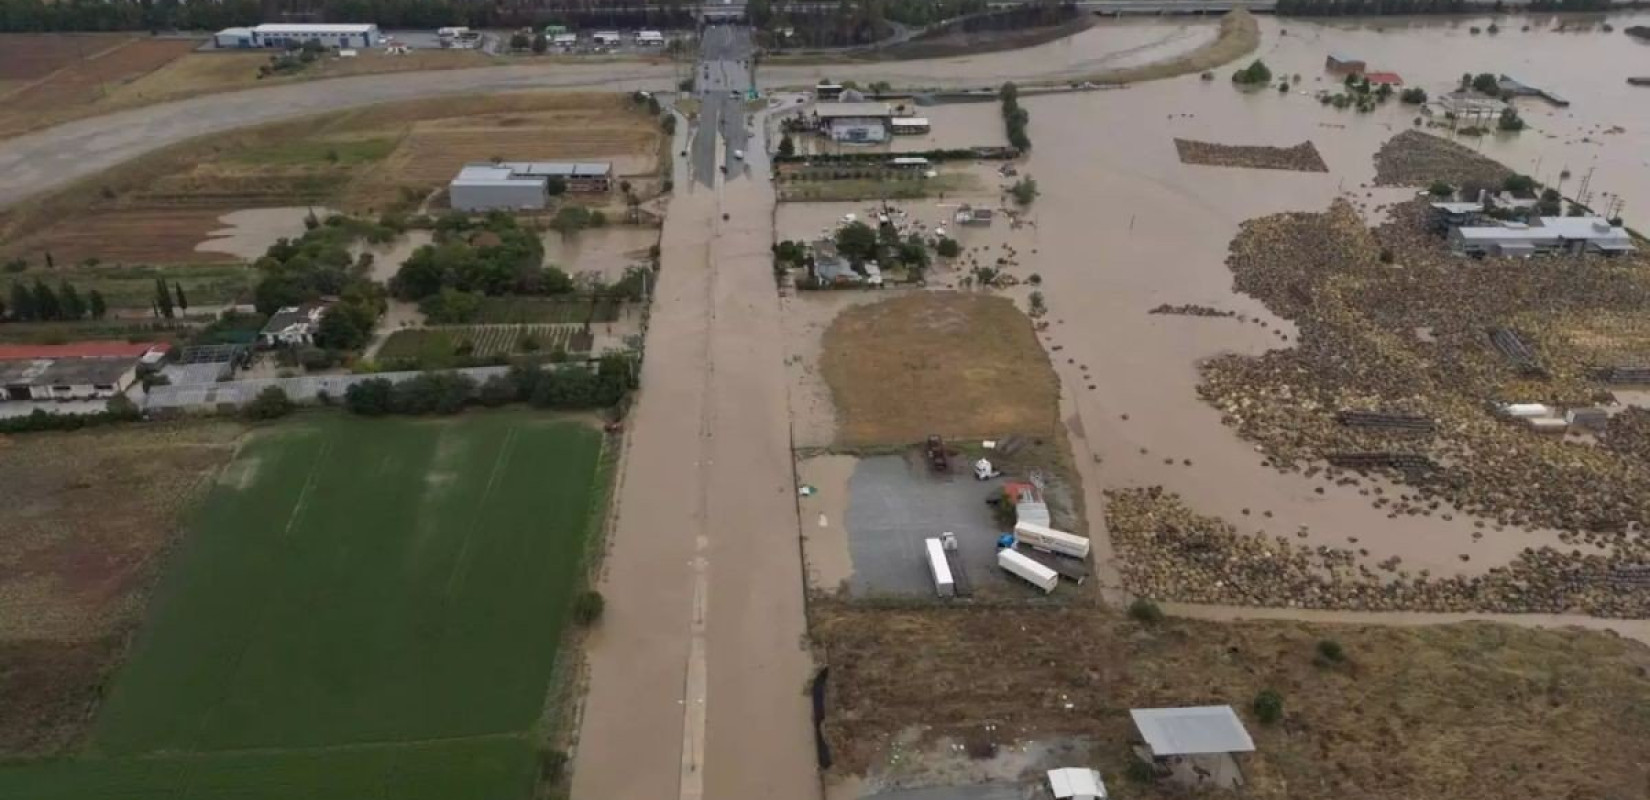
x=1196, y=730
x=1075, y=783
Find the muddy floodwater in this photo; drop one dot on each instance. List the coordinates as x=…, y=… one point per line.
x=249, y=233
x=605, y=252
x=1122, y=226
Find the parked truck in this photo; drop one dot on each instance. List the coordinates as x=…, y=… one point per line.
x=1042, y=537
x=1032, y=572
x=939, y=568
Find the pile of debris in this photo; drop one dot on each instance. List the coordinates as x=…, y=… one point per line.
x=1389, y=320
x=1302, y=157
x=1191, y=310
x=1169, y=552
x=1414, y=158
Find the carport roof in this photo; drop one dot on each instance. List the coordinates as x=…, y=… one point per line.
x=1196, y=730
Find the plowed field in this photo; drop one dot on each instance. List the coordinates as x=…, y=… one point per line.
x=86, y=81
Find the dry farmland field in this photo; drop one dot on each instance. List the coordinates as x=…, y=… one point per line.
x=368, y=160
x=960, y=365
x=72, y=71
x=358, y=608
x=1461, y=711
x=88, y=515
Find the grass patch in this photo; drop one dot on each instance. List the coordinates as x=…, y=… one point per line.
x=134, y=287
x=362, y=608
x=319, y=151
x=961, y=365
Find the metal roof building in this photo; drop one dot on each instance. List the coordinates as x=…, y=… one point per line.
x=1196, y=730
x=1549, y=235
x=1077, y=784
x=283, y=34
x=842, y=110
x=523, y=185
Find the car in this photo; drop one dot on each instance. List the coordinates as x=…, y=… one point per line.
x=739, y=154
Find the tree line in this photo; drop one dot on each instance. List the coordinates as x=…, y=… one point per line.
x=1015, y=118
x=566, y=386
x=42, y=303
x=36, y=16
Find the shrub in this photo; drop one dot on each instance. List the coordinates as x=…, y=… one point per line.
x=496, y=391
x=1386, y=255
x=1440, y=189
x=1268, y=707
x=1255, y=74
x=588, y=607
x=271, y=403
x=1139, y=771
x=1330, y=651
x=1413, y=96
x=1024, y=190
x=1145, y=611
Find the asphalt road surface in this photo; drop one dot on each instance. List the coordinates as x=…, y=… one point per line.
x=722, y=79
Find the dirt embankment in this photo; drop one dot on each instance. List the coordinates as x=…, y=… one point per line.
x=945, y=44
x=1407, y=713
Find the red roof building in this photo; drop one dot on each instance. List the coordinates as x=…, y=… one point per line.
x=1387, y=78
x=20, y=352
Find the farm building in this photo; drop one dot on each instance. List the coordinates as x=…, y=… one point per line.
x=523, y=185
x=906, y=126
x=293, y=326
x=854, y=122
x=79, y=371
x=292, y=35
x=1384, y=79
x=1343, y=65
x=1546, y=235
x=1193, y=746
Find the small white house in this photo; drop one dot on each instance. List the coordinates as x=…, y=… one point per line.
x=293, y=326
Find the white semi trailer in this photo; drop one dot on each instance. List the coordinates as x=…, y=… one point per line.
x=1032, y=572
x=944, y=584
x=1050, y=540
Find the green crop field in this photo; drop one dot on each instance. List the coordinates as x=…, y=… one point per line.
x=361, y=609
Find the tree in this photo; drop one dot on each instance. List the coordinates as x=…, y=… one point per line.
x=570, y=218
x=163, y=298
x=1038, y=306
x=1024, y=190
x=270, y=403
x=588, y=607
x=857, y=241
x=948, y=247
x=1330, y=652
x=1486, y=83
x=451, y=307
x=46, y=305
x=541, y=43
x=1257, y=73
x=667, y=122
x=787, y=147
x=22, y=303
x=343, y=327
x=496, y=391
x=95, y=304
x=69, y=299
x=1413, y=96
x=1440, y=189
x=183, y=302
x=520, y=41
x=556, y=185
x=1519, y=185
x=1510, y=121
x=1268, y=706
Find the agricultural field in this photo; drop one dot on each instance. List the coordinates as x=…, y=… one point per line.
x=368, y=160
x=88, y=516
x=967, y=366
x=444, y=346
x=540, y=310
x=1404, y=712
x=361, y=608
x=69, y=71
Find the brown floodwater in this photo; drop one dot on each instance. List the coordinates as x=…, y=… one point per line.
x=1123, y=226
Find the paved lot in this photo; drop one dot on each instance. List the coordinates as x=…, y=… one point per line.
x=894, y=504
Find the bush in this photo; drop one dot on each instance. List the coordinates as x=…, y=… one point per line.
x=271, y=403
x=588, y=607
x=1440, y=189
x=1330, y=651
x=497, y=391
x=1413, y=96
x=1145, y=612
x=1268, y=707
x=1253, y=75
x=1509, y=120
x=1139, y=771
x=369, y=398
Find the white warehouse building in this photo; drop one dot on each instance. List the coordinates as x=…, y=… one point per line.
x=523, y=185
x=282, y=35
x=1546, y=235
x=855, y=122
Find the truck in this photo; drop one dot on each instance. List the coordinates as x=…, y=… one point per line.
x=939, y=568
x=1030, y=571
x=1042, y=537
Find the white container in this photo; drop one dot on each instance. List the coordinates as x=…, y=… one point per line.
x=1527, y=410
x=1032, y=572
x=1050, y=540
x=939, y=568
x=1548, y=424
